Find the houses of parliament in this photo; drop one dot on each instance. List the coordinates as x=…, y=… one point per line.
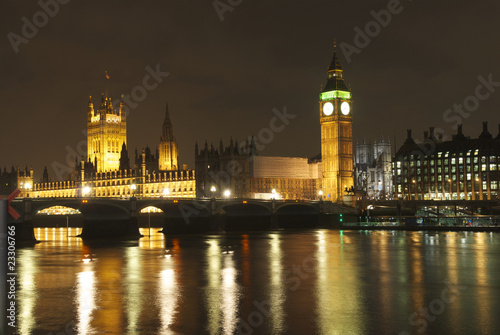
x=107, y=170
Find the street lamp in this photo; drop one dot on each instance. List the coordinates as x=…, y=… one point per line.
x=133, y=187
x=27, y=187
x=273, y=195
x=320, y=193
x=213, y=189
x=166, y=192
x=227, y=193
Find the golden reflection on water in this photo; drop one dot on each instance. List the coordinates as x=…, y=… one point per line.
x=338, y=292
x=212, y=272
x=229, y=295
x=27, y=292
x=223, y=291
x=481, y=271
x=277, y=289
x=57, y=237
x=85, y=298
x=133, y=288
x=168, y=297
x=152, y=239
x=129, y=288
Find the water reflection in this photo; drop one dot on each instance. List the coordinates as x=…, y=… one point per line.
x=168, y=296
x=338, y=289
x=133, y=287
x=229, y=295
x=212, y=272
x=27, y=294
x=223, y=291
x=277, y=289
x=319, y=282
x=85, y=297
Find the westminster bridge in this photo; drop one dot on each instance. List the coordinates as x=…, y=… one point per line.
x=117, y=218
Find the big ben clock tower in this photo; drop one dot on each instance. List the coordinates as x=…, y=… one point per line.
x=335, y=104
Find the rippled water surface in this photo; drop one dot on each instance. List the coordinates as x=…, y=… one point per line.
x=301, y=282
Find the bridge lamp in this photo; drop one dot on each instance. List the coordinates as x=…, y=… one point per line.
x=166, y=192
x=27, y=187
x=320, y=193
x=227, y=193
x=86, y=190
x=273, y=194
x=133, y=187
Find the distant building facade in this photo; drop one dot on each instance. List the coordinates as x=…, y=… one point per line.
x=462, y=168
x=289, y=177
x=107, y=170
x=373, y=169
x=8, y=181
x=237, y=169
x=225, y=168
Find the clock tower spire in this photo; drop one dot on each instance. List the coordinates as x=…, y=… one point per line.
x=335, y=101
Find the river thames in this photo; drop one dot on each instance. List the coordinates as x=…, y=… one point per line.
x=274, y=282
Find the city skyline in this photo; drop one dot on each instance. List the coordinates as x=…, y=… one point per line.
x=226, y=77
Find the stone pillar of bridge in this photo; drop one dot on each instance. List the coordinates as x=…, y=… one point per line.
x=274, y=215
x=133, y=207
x=24, y=226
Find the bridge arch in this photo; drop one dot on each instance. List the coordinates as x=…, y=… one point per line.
x=58, y=210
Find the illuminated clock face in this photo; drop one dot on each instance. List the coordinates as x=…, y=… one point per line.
x=328, y=109
x=345, y=108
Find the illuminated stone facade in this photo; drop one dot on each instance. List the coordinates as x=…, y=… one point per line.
x=107, y=172
x=106, y=133
x=462, y=168
x=168, y=146
x=336, y=134
x=289, y=177
x=236, y=168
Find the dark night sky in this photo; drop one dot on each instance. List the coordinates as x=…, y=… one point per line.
x=226, y=77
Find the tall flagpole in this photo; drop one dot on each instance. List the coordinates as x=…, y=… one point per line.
x=107, y=79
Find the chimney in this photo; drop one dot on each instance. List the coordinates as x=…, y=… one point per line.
x=408, y=131
x=460, y=130
x=485, y=126
x=432, y=133
x=426, y=135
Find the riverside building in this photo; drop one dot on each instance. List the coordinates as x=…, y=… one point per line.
x=462, y=168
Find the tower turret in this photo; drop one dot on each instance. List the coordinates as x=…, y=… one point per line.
x=167, y=149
